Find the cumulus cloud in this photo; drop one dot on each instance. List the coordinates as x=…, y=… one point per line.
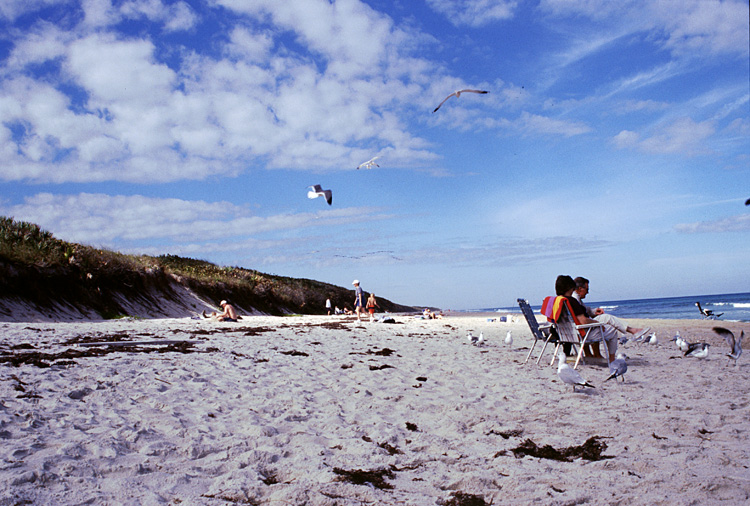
x=683, y=136
x=474, y=12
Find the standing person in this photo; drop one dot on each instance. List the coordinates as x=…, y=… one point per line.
x=371, y=305
x=328, y=306
x=358, y=302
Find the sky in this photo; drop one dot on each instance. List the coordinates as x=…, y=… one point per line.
x=614, y=142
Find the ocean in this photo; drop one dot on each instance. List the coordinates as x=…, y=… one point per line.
x=731, y=307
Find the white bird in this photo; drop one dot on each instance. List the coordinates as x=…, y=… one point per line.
x=684, y=345
x=697, y=350
x=653, y=339
x=618, y=367
x=369, y=164
x=569, y=375
x=318, y=191
x=509, y=338
x=457, y=94
x=735, y=345
x=472, y=339
x=480, y=339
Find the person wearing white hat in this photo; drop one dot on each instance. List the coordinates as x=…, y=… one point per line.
x=229, y=314
x=358, y=294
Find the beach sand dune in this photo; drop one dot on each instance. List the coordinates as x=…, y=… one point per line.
x=328, y=411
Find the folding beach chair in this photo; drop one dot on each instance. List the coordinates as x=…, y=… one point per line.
x=543, y=332
x=558, y=310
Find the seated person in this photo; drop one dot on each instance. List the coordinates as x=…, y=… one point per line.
x=229, y=314
x=598, y=314
x=565, y=286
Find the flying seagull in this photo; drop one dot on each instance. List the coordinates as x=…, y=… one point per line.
x=618, y=367
x=318, y=191
x=368, y=164
x=457, y=94
x=735, y=345
x=708, y=314
x=569, y=375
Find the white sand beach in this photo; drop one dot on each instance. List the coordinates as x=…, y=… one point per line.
x=292, y=410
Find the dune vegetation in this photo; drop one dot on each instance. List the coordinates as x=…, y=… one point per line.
x=57, y=277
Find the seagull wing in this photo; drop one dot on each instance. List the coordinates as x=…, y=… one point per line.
x=317, y=188
x=329, y=196
x=727, y=335
x=471, y=91
x=454, y=94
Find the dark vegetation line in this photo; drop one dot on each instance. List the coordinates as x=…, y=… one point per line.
x=52, y=276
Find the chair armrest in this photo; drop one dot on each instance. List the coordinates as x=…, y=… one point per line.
x=589, y=326
x=543, y=326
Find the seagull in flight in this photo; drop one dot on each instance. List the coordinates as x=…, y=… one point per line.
x=569, y=375
x=369, y=164
x=735, y=345
x=318, y=191
x=457, y=94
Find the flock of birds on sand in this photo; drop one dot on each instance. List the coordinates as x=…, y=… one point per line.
x=318, y=191
x=619, y=366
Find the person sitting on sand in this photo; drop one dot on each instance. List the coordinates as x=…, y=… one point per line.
x=229, y=314
x=371, y=305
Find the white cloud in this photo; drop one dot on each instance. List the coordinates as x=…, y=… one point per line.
x=739, y=223
x=111, y=220
x=474, y=12
x=683, y=136
x=545, y=125
x=12, y=9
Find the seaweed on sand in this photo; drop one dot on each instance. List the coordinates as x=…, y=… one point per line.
x=376, y=477
x=462, y=499
x=592, y=450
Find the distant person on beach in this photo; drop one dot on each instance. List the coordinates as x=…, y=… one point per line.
x=565, y=286
x=358, y=296
x=328, y=306
x=229, y=314
x=371, y=305
x=598, y=314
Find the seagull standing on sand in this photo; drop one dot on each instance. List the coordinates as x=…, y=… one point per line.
x=457, y=94
x=369, y=164
x=569, y=375
x=318, y=191
x=652, y=339
x=471, y=338
x=697, y=350
x=735, y=345
x=509, y=338
x=480, y=339
x=618, y=367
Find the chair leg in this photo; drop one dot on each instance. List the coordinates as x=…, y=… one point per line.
x=529, y=354
x=580, y=353
x=542, y=352
x=554, y=355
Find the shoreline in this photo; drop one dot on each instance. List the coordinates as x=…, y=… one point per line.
x=292, y=410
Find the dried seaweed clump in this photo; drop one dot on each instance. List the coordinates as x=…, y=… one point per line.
x=592, y=450
x=376, y=477
x=462, y=499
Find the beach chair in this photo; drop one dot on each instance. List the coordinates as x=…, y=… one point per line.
x=543, y=332
x=558, y=311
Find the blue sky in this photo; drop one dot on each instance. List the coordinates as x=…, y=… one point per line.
x=614, y=142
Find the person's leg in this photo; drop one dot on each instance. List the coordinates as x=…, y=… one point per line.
x=612, y=321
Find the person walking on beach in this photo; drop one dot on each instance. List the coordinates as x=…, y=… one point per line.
x=229, y=314
x=328, y=306
x=371, y=305
x=358, y=295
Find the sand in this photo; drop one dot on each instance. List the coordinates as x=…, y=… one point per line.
x=311, y=410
